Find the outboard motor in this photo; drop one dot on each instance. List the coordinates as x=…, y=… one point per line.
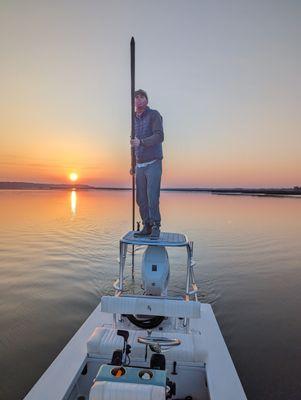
x=155, y=277
x=155, y=271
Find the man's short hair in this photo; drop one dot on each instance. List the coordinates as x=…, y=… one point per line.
x=142, y=93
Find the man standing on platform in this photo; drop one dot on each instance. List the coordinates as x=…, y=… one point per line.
x=148, y=150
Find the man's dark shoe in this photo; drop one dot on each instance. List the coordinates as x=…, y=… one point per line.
x=147, y=230
x=155, y=232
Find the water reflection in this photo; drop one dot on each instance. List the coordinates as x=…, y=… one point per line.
x=73, y=201
x=61, y=257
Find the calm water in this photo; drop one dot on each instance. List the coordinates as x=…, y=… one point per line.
x=58, y=252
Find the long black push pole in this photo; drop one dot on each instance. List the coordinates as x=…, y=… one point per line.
x=132, y=137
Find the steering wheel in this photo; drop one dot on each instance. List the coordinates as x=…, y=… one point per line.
x=159, y=344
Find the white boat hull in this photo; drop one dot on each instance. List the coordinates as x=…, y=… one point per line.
x=217, y=377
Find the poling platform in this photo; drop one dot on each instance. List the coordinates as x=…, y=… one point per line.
x=167, y=239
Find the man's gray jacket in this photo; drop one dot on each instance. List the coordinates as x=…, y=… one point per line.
x=149, y=129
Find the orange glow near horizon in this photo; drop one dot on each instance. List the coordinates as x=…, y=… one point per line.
x=107, y=163
x=108, y=173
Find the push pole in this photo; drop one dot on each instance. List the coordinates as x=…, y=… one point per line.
x=133, y=160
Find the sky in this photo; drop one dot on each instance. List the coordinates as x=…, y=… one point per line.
x=225, y=76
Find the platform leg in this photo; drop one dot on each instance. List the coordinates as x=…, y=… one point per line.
x=133, y=261
x=122, y=258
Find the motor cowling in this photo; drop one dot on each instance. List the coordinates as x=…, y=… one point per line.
x=155, y=271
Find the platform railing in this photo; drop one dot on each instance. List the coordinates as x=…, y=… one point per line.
x=191, y=286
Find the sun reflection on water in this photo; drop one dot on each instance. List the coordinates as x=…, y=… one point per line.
x=73, y=200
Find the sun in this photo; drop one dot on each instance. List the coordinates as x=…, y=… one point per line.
x=73, y=176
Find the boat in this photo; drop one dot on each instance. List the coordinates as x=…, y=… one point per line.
x=150, y=346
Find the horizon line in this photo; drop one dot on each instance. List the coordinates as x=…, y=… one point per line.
x=87, y=186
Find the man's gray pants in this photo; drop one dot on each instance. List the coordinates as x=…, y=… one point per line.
x=148, y=181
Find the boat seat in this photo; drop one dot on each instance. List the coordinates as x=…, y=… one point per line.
x=104, y=341
x=104, y=390
x=150, y=305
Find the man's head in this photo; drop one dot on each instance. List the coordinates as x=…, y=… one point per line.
x=141, y=99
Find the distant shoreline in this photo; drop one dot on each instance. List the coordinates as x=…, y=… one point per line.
x=295, y=191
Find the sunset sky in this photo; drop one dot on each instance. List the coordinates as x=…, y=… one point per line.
x=225, y=75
